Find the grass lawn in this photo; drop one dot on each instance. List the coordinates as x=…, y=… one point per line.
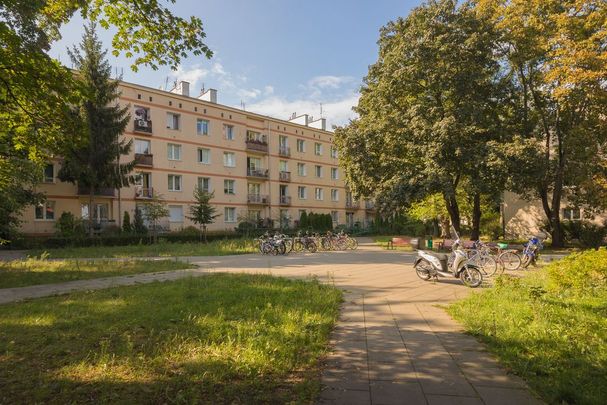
x=214, y=248
x=21, y=273
x=549, y=327
x=214, y=339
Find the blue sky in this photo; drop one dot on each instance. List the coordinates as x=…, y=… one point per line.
x=276, y=56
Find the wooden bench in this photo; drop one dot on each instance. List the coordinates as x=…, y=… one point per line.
x=447, y=244
x=403, y=242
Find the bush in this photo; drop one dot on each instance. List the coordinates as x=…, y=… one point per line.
x=69, y=226
x=580, y=273
x=491, y=224
x=111, y=230
x=138, y=225
x=126, y=223
x=586, y=233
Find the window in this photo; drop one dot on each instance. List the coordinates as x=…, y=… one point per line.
x=174, y=151
x=175, y=213
x=334, y=194
x=172, y=121
x=301, y=193
x=228, y=187
x=204, y=184
x=301, y=169
x=204, y=156
x=202, y=127
x=572, y=214
x=318, y=171
x=334, y=173
x=100, y=212
x=283, y=166
x=229, y=159
x=229, y=132
x=317, y=149
x=301, y=145
x=143, y=146
x=143, y=122
x=333, y=152
x=318, y=193
x=229, y=213
x=254, y=215
x=49, y=173
x=174, y=182
x=282, y=141
x=46, y=211
x=334, y=216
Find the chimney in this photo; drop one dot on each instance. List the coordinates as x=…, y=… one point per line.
x=182, y=88
x=301, y=119
x=210, y=95
x=320, y=123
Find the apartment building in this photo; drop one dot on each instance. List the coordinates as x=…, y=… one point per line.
x=258, y=167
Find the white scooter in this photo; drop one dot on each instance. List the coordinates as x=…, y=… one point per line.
x=430, y=264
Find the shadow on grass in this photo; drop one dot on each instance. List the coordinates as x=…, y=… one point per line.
x=215, y=339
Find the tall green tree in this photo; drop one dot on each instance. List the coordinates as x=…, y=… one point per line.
x=202, y=212
x=555, y=52
x=94, y=163
x=37, y=92
x=427, y=109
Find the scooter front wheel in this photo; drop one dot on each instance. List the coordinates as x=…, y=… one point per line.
x=471, y=277
x=422, y=269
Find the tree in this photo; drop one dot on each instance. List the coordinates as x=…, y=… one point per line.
x=94, y=163
x=126, y=223
x=154, y=209
x=202, y=212
x=554, y=53
x=427, y=109
x=138, y=225
x=37, y=92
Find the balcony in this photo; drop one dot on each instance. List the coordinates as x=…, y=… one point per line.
x=257, y=173
x=354, y=205
x=144, y=193
x=257, y=145
x=285, y=200
x=102, y=192
x=284, y=151
x=369, y=205
x=284, y=177
x=144, y=159
x=258, y=199
x=144, y=126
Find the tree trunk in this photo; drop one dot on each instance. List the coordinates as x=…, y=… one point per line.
x=476, y=217
x=445, y=232
x=453, y=209
x=91, y=210
x=204, y=233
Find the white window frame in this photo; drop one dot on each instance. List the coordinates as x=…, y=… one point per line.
x=44, y=211
x=301, y=145
x=334, y=194
x=226, y=188
x=228, y=135
x=318, y=148
x=229, y=214
x=199, y=126
x=318, y=171
x=45, y=179
x=226, y=160
x=175, y=123
x=334, y=153
x=318, y=194
x=568, y=214
x=143, y=141
x=171, y=207
x=200, y=183
x=174, y=149
x=173, y=181
x=335, y=216
x=302, y=192
x=303, y=171
x=200, y=154
x=334, y=173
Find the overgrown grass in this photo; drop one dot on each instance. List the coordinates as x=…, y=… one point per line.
x=214, y=248
x=213, y=339
x=550, y=327
x=21, y=273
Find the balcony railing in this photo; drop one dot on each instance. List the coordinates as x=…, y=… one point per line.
x=284, y=151
x=258, y=199
x=257, y=173
x=285, y=200
x=369, y=205
x=144, y=159
x=144, y=126
x=143, y=192
x=101, y=192
x=352, y=204
x=284, y=176
x=256, y=145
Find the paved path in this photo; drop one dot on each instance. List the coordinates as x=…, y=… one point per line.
x=392, y=344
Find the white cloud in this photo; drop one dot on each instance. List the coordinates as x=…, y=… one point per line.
x=330, y=82
x=191, y=75
x=268, y=90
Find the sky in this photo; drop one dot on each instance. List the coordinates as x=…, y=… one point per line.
x=275, y=56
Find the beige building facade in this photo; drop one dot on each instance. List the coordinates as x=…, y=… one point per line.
x=258, y=167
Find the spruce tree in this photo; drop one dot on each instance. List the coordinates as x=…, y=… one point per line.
x=94, y=163
x=138, y=225
x=202, y=212
x=126, y=223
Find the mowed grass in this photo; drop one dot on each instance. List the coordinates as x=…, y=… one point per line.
x=21, y=273
x=214, y=339
x=214, y=248
x=548, y=329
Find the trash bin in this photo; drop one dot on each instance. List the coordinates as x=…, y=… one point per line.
x=429, y=243
x=414, y=243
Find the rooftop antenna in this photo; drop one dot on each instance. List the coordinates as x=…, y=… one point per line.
x=242, y=105
x=320, y=110
x=166, y=83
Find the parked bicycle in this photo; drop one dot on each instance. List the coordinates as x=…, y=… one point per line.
x=531, y=250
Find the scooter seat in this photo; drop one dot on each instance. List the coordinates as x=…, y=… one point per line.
x=439, y=256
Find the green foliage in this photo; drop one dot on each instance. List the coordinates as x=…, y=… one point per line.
x=588, y=234
x=126, y=223
x=316, y=222
x=549, y=327
x=138, y=225
x=154, y=209
x=202, y=212
x=491, y=224
x=399, y=225
x=69, y=226
x=580, y=273
x=303, y=220
x=239, y=337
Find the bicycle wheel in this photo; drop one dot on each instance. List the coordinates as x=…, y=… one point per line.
x=326, y=244
x=298, y=246
x=527, y=259
x=352, y=243
x=311, y=247
x=488, y=265
x=471, y=277
x=281, y=248
x=340, y=244
x=510, y=260
x=266, y=248
x=288, y=245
